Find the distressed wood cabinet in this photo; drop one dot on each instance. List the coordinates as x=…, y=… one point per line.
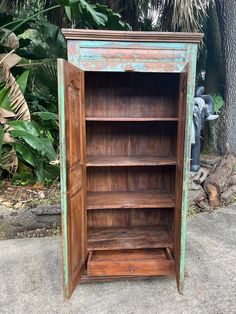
x=125, y=103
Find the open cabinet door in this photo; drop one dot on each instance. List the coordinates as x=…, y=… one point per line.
x=73, y=176
x=182, y=171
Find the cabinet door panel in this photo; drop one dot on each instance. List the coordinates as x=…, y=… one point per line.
x=73, y=176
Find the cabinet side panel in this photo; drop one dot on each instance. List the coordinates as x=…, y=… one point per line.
x=180, y=236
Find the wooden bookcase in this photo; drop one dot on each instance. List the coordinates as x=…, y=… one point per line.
x=125, y=103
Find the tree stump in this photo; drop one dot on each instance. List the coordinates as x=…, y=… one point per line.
x=219, y=180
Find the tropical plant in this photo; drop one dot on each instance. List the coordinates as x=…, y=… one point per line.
x=165, y=15
x=36, y=149
x=29, y=140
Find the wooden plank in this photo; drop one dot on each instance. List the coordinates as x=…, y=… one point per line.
x=163, y=37
x=90, y=279
x=141, y=237
x=130, y=262
x=140, y=199
x=131, y=119
x=106, y=161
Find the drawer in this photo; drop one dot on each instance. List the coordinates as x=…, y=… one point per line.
x=157, y=262
x=130, y=57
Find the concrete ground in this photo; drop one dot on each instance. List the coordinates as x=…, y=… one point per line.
x=30, y=277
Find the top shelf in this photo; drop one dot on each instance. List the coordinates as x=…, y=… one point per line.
x=131, y=119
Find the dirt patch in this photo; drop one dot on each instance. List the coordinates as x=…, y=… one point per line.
x=15, y=197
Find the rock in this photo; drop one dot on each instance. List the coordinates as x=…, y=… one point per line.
x=7, y=204
x=18, y=205
x=25, y=219
x=41, y=194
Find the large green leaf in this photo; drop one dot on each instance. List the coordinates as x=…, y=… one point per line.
x=48, y=149
x=22, y=81
x=113, y=20
x=3, y=93
x=98, y=17
x=1, y=139
x=46, y=116
x=42, y=145
x=26, y=153
x=47, y=172
x=21, y=125
x=7, y=102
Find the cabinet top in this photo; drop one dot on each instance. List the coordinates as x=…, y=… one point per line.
x=88, y=34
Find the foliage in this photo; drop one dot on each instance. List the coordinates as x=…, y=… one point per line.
x=29, y=130
x=162, y=15
x=187, y=14
x=35, y=148
x=219, y=103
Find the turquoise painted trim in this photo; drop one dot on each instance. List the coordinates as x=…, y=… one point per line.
x=99, y=58
x=156, y=67
x=192, y=53
x=124, y=44
x=61, y=102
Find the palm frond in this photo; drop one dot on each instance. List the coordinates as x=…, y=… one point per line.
x=15, y=89
x=187, y=14
x=45, y=81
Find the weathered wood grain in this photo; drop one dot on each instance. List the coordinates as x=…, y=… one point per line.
x=139, y=237
x=131, y=262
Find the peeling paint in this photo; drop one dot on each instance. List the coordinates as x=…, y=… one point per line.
x=192, y=57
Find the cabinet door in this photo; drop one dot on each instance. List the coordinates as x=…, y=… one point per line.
x=73, y=176
x=182, y=169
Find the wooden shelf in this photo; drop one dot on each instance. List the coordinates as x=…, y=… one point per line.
x=131, y=119
x=113, y=161
x=146, y=199
x=141, y=237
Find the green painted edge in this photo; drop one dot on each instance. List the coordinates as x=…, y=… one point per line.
x=192, y=54
x=61, y=107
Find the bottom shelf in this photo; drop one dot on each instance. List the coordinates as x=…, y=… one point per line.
x=157, y=262
x=139, y=237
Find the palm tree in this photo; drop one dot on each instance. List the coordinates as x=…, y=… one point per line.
x=172, y=15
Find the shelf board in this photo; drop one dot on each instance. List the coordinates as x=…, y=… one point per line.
x=131, y=119
x=141, y=237
x=141, y=199
x=113, y=161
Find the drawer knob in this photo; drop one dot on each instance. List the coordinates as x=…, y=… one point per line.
x=131, y=270
x=128, y=68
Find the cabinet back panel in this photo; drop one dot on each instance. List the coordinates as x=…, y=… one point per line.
x=130, y=217
x=131, y=179
x=131, y=94
x=131, y=138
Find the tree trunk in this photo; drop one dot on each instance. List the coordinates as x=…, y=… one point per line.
x=226, y=10
x=214, y=62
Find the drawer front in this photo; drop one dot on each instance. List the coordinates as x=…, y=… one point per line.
x=125, y=56
x=100, y=264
